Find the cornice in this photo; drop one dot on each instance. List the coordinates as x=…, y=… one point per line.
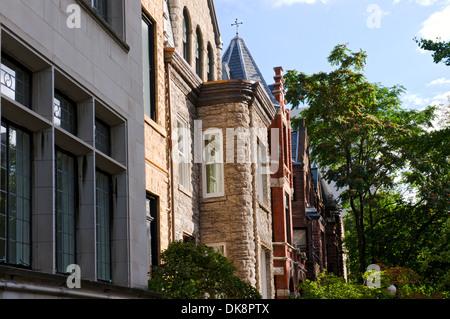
x=237, y=91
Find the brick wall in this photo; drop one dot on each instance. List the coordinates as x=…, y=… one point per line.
x=156, y=164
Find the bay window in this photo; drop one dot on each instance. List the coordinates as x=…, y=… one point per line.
x=213, y=168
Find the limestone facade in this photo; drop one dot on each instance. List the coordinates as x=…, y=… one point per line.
x=88, y=57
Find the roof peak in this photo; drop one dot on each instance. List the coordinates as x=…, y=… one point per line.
x=238, y=63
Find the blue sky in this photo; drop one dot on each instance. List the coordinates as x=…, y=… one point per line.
x=300, y=34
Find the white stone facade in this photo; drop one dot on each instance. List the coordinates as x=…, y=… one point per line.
x=68, y=46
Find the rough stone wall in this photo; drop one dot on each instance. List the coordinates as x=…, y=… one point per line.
x=229, y=219
x=185, y=199
x=238, y=219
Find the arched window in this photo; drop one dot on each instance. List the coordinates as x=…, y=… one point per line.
x=186, y=37
x=199, y=54
x=209, y=64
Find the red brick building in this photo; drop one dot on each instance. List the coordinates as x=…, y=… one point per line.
x=317, y=220
x=288, y=262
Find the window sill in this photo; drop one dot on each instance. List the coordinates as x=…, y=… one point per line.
x=184, y=191
x=158, y=128
x=219, y=198
x=264, y=206
x=55, y=285
x=105, y=25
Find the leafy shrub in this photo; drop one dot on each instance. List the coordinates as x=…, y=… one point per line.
x=409, y=284
x=191, y=271
x=329, y=286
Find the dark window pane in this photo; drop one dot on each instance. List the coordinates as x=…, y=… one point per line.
x=209, y=64
x=102, y=137
x=148, y=56
x=186, y=38
x=15, y=192
x=199, y=55
x=65, y=212
x=65, y=113
x=101, y=6
x=15, y=81
x=152, y=230
x=103, y=226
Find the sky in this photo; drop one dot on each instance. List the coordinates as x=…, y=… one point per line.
x=300, y=34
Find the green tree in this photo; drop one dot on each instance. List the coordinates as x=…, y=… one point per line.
x=191, y=271
x=441, y=49
x=358, y=131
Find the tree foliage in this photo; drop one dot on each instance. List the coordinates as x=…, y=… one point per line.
x=191, y=271
x=441, y=49
x=408, y=285
x=374, y=150
x=329, y=286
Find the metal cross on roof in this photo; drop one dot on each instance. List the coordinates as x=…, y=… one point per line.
x=236, y=23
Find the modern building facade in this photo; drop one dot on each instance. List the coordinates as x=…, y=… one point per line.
x=72, y=155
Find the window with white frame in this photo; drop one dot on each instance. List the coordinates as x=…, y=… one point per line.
x=213, y=174
x=183, y=154
x=219, y=247
x=261, y=170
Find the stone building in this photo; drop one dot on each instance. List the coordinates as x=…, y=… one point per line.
x=238, y=63
x=218, y=142
x=72, y=149
x=192, y=56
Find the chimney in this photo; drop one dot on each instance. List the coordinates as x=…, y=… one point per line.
x=278, y=89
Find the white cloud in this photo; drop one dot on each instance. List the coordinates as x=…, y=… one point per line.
x=437, y=26
x=425, y=3
x=413, y=99
x=279, y=3
x=441, y=98
x=441, y=81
